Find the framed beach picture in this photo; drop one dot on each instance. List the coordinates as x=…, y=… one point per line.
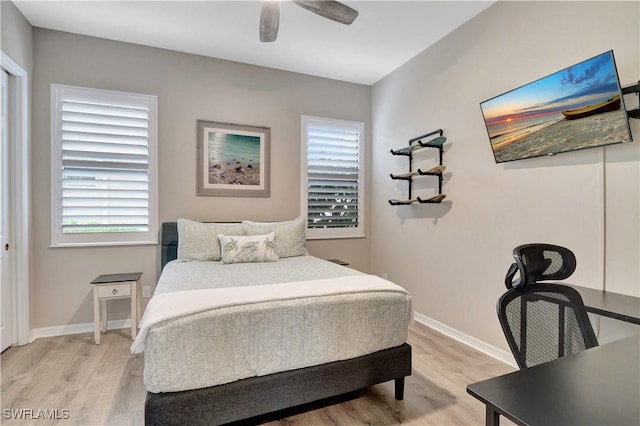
x=233, y=160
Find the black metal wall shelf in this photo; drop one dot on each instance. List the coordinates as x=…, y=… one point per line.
x=434, y=171
x=416, y=144
x=634, y=113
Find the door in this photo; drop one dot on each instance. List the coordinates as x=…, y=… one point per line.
x=7, y=337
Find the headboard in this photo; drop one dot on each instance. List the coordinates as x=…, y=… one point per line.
x=168, y=243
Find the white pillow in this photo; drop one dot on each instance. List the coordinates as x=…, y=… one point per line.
x=248, y=249
x=290, y=235
x=199, y=241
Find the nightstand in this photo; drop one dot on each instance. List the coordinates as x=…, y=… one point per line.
x=110, y=287
x=339, y=262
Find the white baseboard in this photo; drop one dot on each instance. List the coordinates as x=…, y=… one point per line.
x=477, y=344
x=63, y=330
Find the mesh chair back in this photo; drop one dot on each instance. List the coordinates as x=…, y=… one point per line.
x=540, y=262
x=543, y=322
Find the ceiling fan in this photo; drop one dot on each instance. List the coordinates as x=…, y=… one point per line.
x=334, y=10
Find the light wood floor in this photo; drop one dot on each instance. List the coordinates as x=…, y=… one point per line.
x=102, y=384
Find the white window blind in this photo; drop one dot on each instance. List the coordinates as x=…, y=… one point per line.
x=333, y=178
x=103, y=173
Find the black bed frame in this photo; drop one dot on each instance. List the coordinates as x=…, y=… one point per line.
x=255, y=396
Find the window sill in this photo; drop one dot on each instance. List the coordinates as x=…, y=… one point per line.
x=105, y=244
x=334, y=237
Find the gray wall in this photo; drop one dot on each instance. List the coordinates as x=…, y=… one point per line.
x=188, y=87
x=453, y=257
x=15, y=34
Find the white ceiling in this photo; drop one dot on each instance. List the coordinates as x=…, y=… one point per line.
x=385, y=35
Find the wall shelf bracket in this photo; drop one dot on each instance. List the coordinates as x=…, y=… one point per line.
x=633, y=113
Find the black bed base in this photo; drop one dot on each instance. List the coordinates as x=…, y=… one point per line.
x=255, y=396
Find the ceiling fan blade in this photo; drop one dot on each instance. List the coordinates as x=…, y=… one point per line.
x=269, y=21
x=333, y=10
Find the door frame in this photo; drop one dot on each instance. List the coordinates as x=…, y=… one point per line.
x=19, y=195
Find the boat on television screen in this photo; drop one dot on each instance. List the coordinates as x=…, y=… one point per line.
x=611, y=104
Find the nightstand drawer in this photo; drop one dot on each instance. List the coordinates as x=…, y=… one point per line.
x=116, y=290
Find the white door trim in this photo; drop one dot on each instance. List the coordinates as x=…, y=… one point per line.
x=20, y=194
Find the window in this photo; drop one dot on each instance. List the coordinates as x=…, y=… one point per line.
x=103, y=167
x=332, y=177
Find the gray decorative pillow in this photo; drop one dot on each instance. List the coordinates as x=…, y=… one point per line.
x=198, y=241
x=248, y=249
x=290, y=235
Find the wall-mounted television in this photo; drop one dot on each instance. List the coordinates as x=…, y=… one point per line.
x=575, y=108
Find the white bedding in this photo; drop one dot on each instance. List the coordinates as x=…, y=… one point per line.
x=168, y=306
x=178, y=276
x=288, y=322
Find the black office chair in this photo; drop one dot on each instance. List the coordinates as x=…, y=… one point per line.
x=543, y=321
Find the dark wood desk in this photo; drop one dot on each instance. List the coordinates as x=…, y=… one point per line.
x=599, y=386
x=612, y=305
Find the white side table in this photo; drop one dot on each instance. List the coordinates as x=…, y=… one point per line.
x=111, y=287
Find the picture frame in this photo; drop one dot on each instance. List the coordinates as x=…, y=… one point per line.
x=232, y=160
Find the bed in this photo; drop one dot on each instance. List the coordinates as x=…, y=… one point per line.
x=240, y=360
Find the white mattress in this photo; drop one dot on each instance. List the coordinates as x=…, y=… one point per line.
x=234, y=342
